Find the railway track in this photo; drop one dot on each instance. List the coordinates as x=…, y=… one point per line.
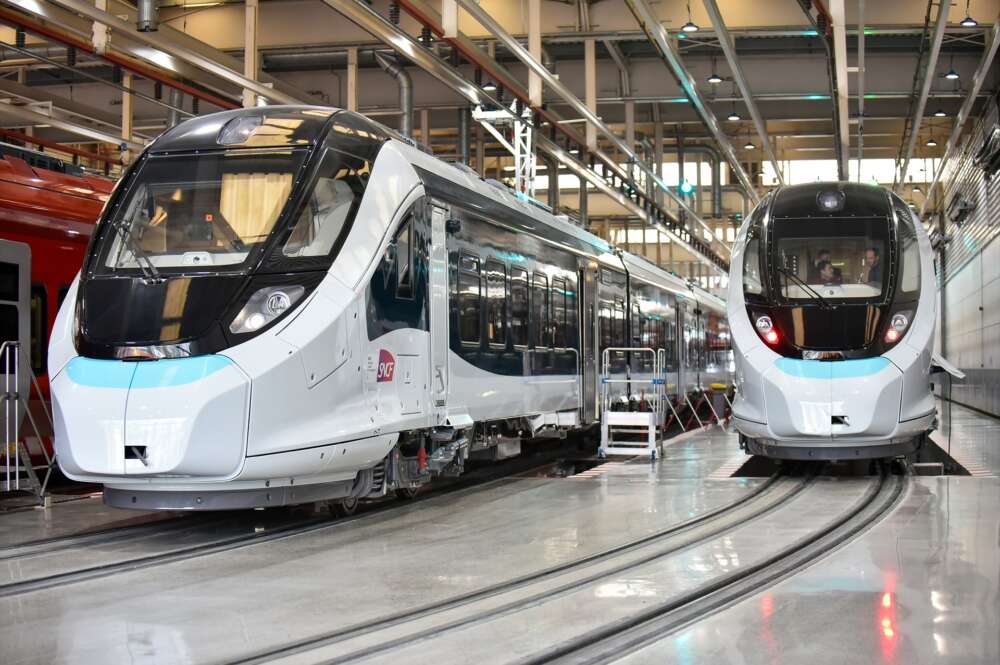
x=404, y=628
x=382, y=636
x=478, y=480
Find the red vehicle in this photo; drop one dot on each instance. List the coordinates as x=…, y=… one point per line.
x=52, y=207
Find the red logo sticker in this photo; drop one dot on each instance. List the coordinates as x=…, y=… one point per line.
x=386, y=366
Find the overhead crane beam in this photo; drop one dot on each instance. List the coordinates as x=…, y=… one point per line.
x=579, y=106
x=34, y=117
x=729, y=49
x=624, y=194
x=658, y=36
x=930, y=72
x=982, y=71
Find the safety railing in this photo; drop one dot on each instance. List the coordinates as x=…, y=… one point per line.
x=18, y=463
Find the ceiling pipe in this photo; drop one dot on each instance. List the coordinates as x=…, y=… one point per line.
x=661, y=40
x=715, y=164
x=625, y=79
x=157, y=41
x=861, y=85
x=366, y=18
x=552, y=172
x=982, y=70
x=930, y=73
x=148, y=15
x=151, y=73
x=392, y=67
x=522, y=54
x=726, y=42
x=822, y=22
x=840, y=69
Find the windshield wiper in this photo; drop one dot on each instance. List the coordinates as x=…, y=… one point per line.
x=149, y=270
x=816, y=297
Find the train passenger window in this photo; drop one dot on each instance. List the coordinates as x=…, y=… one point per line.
x=519, y=307
x=469, y=299
x=331, y=204
x=404, y=259
x=496, y=298
x=540, y=310
x=39, y=317
x=559, y=294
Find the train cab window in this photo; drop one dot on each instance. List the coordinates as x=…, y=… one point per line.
x=39, y=317
x=404, y=259
x=909, y=275
x=559, y=317
x=496, y=297
x=751, y=267
x=540, y=310
x=469, y=299
x=330, y=206
x=519, y=307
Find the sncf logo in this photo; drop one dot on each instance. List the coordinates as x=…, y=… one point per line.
x=386, y=366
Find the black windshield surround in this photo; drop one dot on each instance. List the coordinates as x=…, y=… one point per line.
x=188, y=310
x=821, y=311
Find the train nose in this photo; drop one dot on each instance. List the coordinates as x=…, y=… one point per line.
x=177, y=417
x=812, y=398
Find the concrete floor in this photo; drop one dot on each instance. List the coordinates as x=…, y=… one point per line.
x=920, y=587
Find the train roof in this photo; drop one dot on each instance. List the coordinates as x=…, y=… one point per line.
x=854, y=200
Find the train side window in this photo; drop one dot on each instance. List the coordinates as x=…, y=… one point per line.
x=619, y=324
x=751, y=268
x=39, y=317
x=404, y=260
x=559, y=312
x=540, y=310
x=519, y=307
x=469, y=299
x=496, y=297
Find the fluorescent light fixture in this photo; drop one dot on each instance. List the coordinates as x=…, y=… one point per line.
x=733, y=117
x=969, y=22
x=952, y=75
x=714, y=78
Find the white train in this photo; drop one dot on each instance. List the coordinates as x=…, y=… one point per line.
x=291, y=304
x=832, y=304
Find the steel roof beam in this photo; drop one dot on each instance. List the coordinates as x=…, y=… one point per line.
x=840, y=68
x=658, y=35
x=929, y=74
x=567, y=95
x=982, y=71
x=726, y=42
x=35, y=117
x=365, y=17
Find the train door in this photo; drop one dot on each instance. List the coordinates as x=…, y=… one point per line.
x=589, y=341
x=15, y=287
x=439, y=311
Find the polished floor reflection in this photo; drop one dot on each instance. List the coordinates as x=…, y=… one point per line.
x=919, y=587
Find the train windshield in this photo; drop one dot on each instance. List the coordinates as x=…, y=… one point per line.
x=215, y=211
x=838, y=259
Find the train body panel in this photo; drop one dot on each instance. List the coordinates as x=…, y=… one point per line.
x=828, y=365
x=423, y=315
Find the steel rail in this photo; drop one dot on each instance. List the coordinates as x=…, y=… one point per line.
x=469, y=484
x=652, y=624
x=698, y=530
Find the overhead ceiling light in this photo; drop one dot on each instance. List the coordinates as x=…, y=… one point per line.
x=690, y=26
x=951, y=75
x=917, y=190
x=490, y=87
x=940, y=114
x=733, y=117
x=969, y=22
x=749, y=146
x=931, y=142
x=714, y=78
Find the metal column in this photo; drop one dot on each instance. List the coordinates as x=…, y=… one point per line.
x=251, y=56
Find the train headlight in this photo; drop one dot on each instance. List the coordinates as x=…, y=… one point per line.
x=764, y=324
x=264, y=306
x=898, y=324
x=831, y=201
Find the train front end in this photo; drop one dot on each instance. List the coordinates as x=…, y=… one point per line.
x=180, y=359
x=832, y=307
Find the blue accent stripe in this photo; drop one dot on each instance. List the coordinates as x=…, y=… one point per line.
x=836, y=369
x=176, y=371
x=143, y=374
x=100, y=373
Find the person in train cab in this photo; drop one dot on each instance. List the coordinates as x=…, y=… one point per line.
x=873, y=272
x=827, y=273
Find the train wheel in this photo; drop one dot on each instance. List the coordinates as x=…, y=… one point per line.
x=407, y=493
x=345, y=508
